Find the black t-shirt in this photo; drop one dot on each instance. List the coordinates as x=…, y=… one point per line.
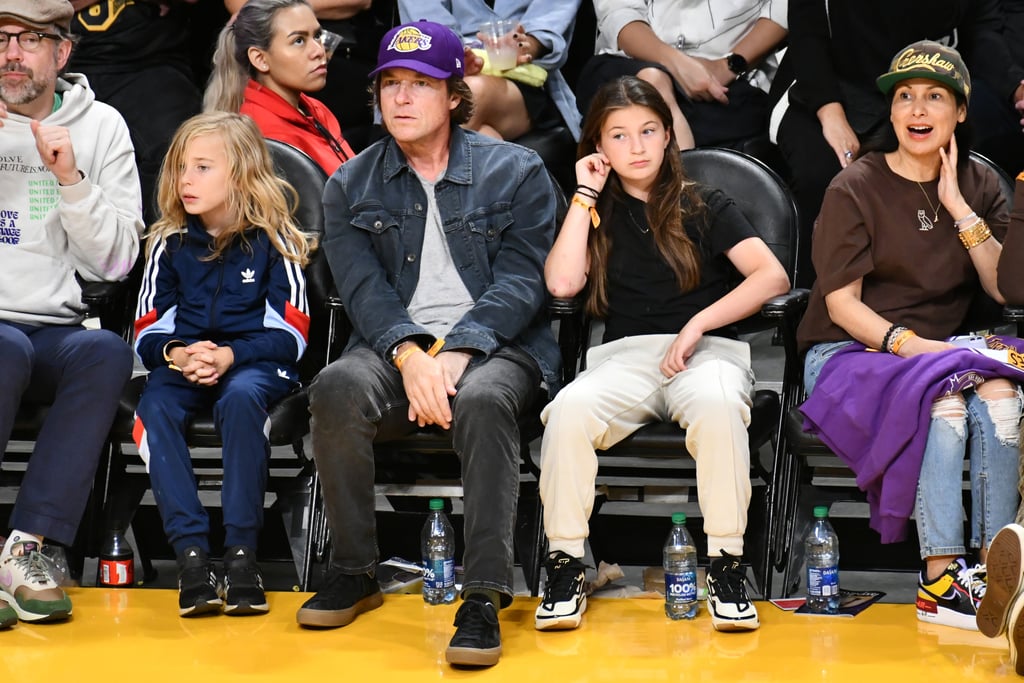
x=116, y=36
x=643, y=293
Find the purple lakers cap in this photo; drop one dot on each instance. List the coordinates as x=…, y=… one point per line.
x=423, y=46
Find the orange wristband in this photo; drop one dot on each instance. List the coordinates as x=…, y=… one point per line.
x=400, y=358
x=595, y=220
x=435, y=348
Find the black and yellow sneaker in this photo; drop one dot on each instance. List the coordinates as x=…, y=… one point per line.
x=953, y=598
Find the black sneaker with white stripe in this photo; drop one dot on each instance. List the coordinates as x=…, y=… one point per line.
x=199, y=592
x=730, y=608
x=564, y=600
x=243, y=583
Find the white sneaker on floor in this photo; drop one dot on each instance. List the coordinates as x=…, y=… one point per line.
x=565, y=599
x=730, y=608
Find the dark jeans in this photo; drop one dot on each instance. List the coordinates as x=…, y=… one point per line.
x=81, y=374
x=360, y=397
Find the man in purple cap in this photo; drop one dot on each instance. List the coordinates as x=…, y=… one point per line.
x=437, y=238
x=70, y=209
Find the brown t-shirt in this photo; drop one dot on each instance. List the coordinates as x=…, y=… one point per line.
x=877, y=225
x=1011, y=261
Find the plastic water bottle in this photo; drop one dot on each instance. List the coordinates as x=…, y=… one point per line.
x=438, y=545
x=680, y=562
x=822, y=551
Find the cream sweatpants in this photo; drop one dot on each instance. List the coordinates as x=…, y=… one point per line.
x=622, y=390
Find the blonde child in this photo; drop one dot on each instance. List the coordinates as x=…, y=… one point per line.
x=222, y=321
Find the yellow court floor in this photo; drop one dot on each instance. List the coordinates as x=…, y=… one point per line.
x=136, y=635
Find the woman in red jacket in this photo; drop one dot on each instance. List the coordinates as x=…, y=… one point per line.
x=267, y=59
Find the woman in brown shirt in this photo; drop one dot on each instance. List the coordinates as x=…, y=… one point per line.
x=893, y=275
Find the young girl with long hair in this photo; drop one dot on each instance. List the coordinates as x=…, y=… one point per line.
x=222, y=321
x=657, y=253
x=266, y=60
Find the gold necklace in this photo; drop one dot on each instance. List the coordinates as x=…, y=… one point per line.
x=935, y=209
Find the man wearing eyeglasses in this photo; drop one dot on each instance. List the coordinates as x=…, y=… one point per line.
x=70, y=205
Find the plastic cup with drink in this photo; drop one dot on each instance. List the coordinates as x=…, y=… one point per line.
x=498, y=40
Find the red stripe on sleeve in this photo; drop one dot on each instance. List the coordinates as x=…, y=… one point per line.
x=144, y=322
x=297, y=319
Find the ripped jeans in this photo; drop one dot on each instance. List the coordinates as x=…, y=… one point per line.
x=987, y=430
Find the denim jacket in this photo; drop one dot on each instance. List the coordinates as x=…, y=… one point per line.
x=497, y=207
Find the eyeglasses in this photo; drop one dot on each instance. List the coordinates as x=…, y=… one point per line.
x=29, y=41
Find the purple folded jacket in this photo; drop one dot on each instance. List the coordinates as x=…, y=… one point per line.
x=874, y=409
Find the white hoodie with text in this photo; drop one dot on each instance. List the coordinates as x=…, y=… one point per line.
x=49, y=232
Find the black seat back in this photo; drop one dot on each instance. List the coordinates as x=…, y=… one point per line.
x=759, y=193
x=308, y=179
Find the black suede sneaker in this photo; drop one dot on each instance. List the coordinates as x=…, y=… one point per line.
x=342, y=598
x=477, y=639
x=198, y=589
x=243, y=583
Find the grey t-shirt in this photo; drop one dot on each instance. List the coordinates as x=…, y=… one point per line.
x=441, y=298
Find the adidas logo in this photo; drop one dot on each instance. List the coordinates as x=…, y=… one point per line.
x=283, y=374
x=240, y=553
x=248, y=276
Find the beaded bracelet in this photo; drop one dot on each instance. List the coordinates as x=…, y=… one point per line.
x=975, y=235
x=888, y=333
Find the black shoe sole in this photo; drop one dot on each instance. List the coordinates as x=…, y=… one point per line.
x=472, y=656
x=323, y=618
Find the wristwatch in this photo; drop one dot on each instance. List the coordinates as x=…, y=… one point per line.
x=736, y=63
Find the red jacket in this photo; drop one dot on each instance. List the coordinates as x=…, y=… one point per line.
x=279, y=120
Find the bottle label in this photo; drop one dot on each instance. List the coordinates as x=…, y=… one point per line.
x=681, y=587
x=439, y=574
x=117, y=572
x=823, y=582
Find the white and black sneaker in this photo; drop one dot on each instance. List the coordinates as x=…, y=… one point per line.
x=564, y=600
x=730, y=608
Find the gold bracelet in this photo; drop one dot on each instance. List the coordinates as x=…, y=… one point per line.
x=170, y=346
x=594, y=218
x=900, y=340
x=975, y=235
